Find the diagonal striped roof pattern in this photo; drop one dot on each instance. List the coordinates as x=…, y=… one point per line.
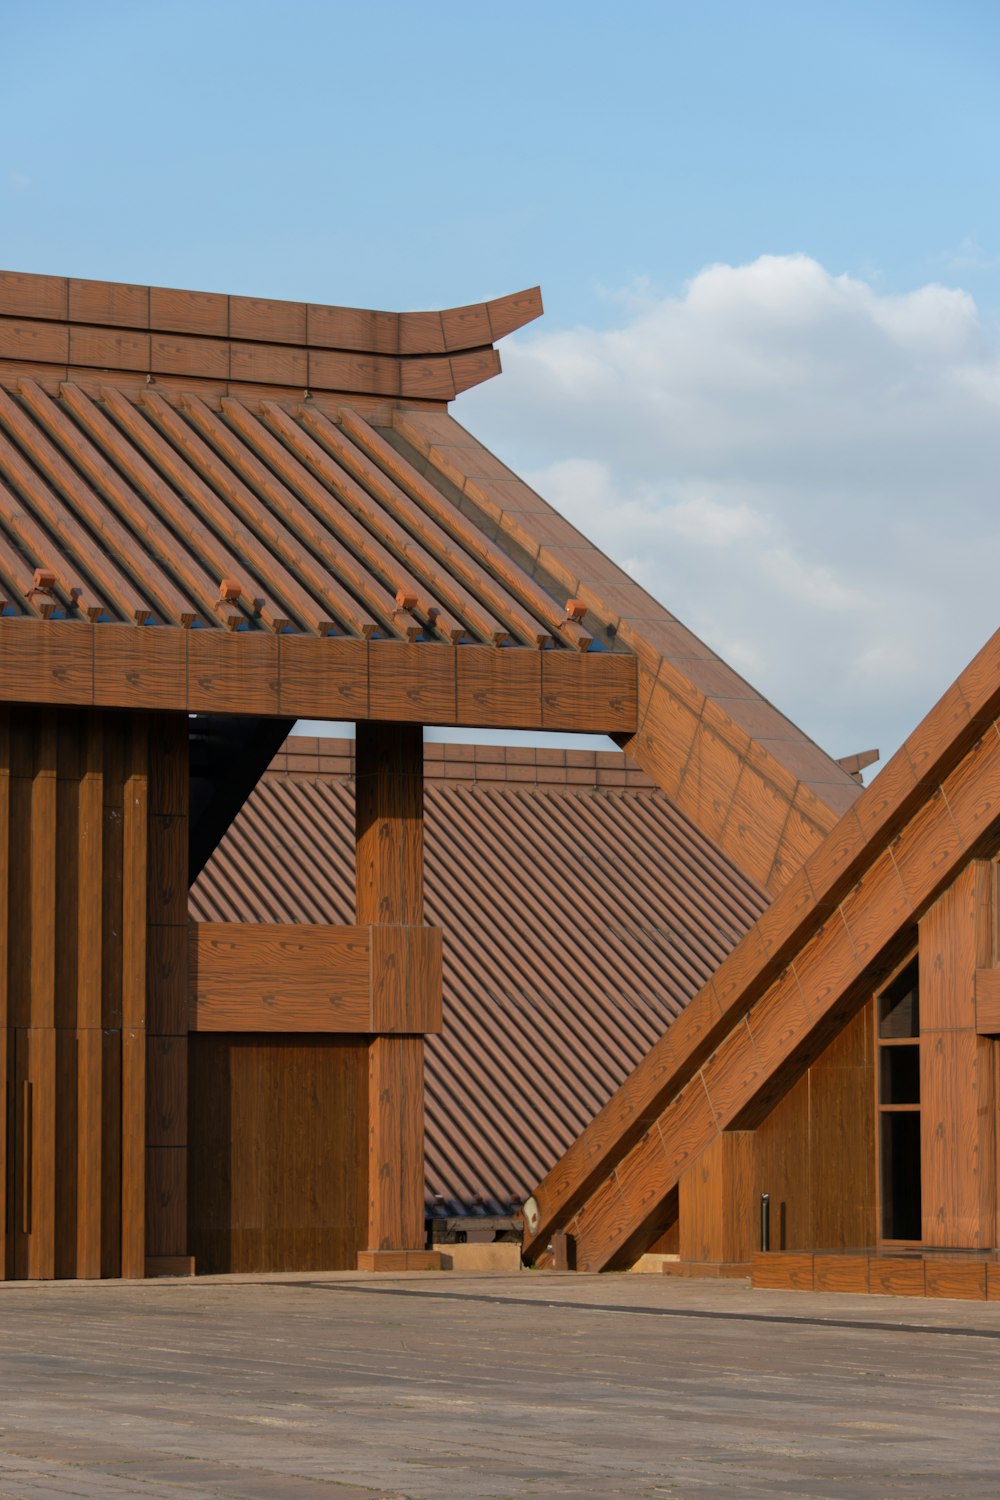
x=578, y=919
x=245, y=515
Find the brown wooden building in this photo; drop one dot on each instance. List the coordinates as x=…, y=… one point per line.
x=219, y=515
x=842, y=1060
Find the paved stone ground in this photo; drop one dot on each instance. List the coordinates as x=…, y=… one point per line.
x=478, y=1388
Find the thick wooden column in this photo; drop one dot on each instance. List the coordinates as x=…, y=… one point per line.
x=957, y=1109
x=389, y=881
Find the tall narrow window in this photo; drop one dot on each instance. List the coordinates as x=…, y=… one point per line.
x=898, y=1012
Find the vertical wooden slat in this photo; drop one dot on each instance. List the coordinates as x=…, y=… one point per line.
x=389, y=890
x=5, y=870
x=90, y=858
x=41, y=1035
x=112, y=853
x=166, y=1023
x=134, y=871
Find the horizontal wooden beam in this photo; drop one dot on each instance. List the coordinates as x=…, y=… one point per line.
x=247, y=976
x=308, y=677
x=988, y=1002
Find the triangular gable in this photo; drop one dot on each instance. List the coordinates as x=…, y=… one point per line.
x=801, y=970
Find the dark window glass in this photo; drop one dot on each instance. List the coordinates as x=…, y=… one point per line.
x=899, y=1075
x=901, y=1176
x=898, y=1010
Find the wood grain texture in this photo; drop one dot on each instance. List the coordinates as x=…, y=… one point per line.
x=135, y=667
x=718, y=1208
x=262, y=977
x=958, y=1148
x=389, y=770
x=782, y=1272
x=252, y=672
x=405, y=979
x=988, y=1002
x=166, y=1090
x=396, y=1143
x=963, y=1279
x=840, y=1273
x=896, y=1276
x=279, y=1152
x=503, y=688
x=232, y=673
x=590, y=692
x=412, y=683
x=166, y=1170
x=400, y=1260
x=74, y=809
x=323, y=679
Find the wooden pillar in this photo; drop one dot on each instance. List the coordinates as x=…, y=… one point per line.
x=718, y=1208
x=957, y=1110
x=390, y=892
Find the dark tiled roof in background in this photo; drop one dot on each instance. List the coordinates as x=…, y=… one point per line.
x=580, y=913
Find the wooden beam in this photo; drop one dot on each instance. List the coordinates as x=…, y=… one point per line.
x=703, y=1077
x=988, y=1002
x=268, y=977
x=62, y=662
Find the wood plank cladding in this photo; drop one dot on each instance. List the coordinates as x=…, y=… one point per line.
x=958, y=1166
x=65, y=662
x=299, y=978
x=279, y=1180
x=86, y=888
x=804, y=969
x=957, y=740
x=254, y=341
x=965, y=1278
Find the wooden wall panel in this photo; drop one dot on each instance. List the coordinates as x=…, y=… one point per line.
x=958, y=1154
x=816, y=1149
x=279, y=1179
x=74, y=832
x=718, y=1215
x=249, y=977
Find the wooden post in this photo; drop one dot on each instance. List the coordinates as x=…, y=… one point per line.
x=389, y=881
x=957, y=1111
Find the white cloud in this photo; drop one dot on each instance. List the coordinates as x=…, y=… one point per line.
x=803, y=469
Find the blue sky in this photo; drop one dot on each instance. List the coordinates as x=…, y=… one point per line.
x=419, y=155
x=424, y=154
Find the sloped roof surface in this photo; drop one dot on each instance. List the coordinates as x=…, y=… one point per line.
x=250, y=516
x=580, y=913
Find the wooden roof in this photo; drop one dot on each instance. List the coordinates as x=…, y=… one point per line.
x=272, y=506
x=88, y=330
x=840, y=925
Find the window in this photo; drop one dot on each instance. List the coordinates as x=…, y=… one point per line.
x=898, y=1059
